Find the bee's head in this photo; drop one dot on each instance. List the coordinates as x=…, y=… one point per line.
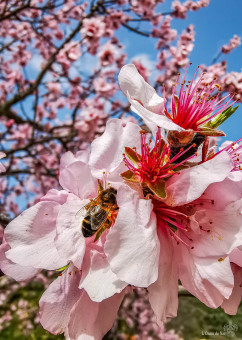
x=109, y=195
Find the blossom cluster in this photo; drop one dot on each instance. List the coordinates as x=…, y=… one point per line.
x=59, y=64
x=141, y=208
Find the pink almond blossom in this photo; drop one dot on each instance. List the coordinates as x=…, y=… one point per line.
x=170, y=178
x=191, y=226
x=233, y=43
x=191, y=109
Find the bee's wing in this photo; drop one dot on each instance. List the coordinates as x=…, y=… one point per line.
x=98, y=218
x=85, y=208
x=80, y=212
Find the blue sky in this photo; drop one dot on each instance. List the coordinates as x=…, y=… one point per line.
x=214, y=26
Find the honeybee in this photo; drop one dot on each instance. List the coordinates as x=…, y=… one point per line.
x=98, y=211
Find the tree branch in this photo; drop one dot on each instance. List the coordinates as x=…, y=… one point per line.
x=136, y=30
x=14, y=12
x=22, y=95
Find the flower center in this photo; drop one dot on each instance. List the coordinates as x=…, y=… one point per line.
x=156, y=163
x=176, y=221
x=195, y=104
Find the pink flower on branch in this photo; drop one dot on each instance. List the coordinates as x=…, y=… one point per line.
x=192, y=110
x=180, y=10
x=233, y=84
x=155, y=163
x=194, y=106
x=233, y=43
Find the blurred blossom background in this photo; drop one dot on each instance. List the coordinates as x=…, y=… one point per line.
x=59, y=62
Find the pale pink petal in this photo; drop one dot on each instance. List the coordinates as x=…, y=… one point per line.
x=216, y=192
x=83, y=155
x=231, y=305
x=66, y=159
x=221, y=231
x=91, y=320
x=132, y=82
x=144, y=99
x=69, y=158
x=77, y=179
x=59, y=196
x=235, y=176
x=163, y=293
x=31, y=237
x=107, y=150
x=190, y=183
x=70, y=241
x=236, y=257
x=17, y=272
x=57, y=301
x=152, y=119
x=208, y=279
x=97, y=278
x=132, y=242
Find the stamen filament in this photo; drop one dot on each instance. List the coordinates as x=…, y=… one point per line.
x=195, y=105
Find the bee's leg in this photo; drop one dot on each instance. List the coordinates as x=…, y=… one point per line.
x=88, y=206
x=115, y=207
x=108, y=223
x=113, y=217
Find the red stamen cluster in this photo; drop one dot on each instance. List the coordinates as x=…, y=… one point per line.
x=156, y=163
x=195, y=104
x=175, y=221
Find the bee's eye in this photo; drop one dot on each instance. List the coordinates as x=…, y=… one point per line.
x=105, y=197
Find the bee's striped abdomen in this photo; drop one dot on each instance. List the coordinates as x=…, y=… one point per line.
x=87, y=231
